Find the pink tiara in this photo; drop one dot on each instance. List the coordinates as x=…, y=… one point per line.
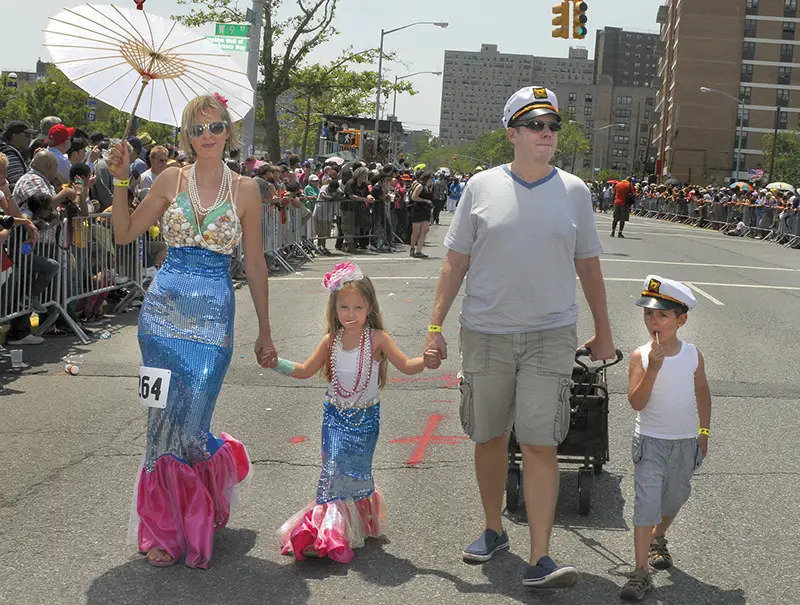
x=221, y=99
x=341, y=274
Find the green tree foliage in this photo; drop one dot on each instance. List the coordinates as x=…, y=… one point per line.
x=332, y=89
x=286, y=44
x=572, y=141
x=787, y=156
x=489, y=149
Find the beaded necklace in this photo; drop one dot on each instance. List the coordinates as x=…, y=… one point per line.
x=363, y=367
x=222, y=194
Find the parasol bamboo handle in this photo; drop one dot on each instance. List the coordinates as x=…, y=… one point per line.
x=145, y=82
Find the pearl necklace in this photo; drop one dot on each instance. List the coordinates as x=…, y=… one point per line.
x=364, y=365
x=222, y=194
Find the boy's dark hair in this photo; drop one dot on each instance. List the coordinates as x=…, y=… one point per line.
x=38, y=203
x=79, y=170
x=293, y=187
x=333, y=185
x=294, y=159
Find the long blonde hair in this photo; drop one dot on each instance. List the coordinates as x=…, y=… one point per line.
x=193, y=110
x=365, y=288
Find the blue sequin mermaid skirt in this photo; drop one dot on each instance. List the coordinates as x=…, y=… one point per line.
x=348, y=508
x=186, y=483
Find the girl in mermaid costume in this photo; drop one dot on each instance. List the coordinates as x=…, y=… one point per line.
x=186, y=482
x=353, y=356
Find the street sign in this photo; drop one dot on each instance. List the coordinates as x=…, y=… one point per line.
x=239, y=30
x=231, y=43
x=91, y=116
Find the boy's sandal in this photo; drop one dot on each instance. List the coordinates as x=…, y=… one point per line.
x=659, y=555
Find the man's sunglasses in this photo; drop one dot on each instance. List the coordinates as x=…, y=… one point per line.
x=216, y=128
x=538, y=126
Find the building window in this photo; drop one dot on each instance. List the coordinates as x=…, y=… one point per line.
x=744, y=120
x=748, y=50
x=788, y=30
x=587, y=111
x=751, y=8
x=649, y=102
x=789, y=8
x=744, y=141
x=620, y=152
x=642, y=141
x=782, y=97
x=750, y=28
x=746, y=74
x=573, y=96
x=783, y=118
x=621, y=139
x=745, y=92
x=784, y=75
x=624, y=100
x=587, y=98
x=622, y=113
x=623, y=126
x=787, y=52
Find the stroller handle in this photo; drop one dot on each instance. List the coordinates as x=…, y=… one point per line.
x=585, y=352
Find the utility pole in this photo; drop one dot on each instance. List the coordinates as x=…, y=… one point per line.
x=256, y=17
x=774, y=144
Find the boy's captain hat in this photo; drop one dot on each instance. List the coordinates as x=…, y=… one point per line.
x=530, y=102
x=662, y=293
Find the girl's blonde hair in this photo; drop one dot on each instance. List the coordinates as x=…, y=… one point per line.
x=198, y=106
x=3, y=160
x=365, y=288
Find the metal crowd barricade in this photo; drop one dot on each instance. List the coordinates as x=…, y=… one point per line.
x=16, y=282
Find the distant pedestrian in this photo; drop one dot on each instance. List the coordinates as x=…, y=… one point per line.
x=668, y=388
x=621, y=206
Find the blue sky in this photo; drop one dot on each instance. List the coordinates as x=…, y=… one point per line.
x=517, y=28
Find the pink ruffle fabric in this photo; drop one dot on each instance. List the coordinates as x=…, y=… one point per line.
x=333, y=529
x=180, y=506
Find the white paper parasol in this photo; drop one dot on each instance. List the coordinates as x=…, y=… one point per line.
x=143, y=64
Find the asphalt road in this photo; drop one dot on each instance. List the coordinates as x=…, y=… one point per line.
x=71, y=446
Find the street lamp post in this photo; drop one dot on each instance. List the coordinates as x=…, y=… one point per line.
x=594, y=142
x=380, y=68
x=394, y=101
x=741, y=125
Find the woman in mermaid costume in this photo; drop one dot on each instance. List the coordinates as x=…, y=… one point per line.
x=353, y=356
x=186, y=482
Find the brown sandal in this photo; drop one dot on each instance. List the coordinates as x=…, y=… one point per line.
x=171, y=561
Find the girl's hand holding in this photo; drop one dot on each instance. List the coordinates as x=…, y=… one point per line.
x=432, y=359
x=266, y=353
x=119, y=163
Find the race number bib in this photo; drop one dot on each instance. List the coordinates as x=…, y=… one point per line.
x=153, y=387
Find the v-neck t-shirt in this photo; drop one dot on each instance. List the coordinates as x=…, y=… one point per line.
x=523, y=239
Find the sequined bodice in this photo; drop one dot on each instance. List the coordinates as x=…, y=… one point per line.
x=220, y=231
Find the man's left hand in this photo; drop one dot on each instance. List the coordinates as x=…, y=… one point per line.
x=601, y=348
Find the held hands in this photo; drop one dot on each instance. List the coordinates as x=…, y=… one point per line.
x=435, y=350
x=119, y=163
x=266, y=353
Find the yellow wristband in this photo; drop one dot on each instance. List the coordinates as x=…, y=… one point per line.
x=705, y=432
x=122, y=182
x=433, y=328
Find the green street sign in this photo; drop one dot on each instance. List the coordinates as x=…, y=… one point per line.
x=241, y=30
x=231, y=43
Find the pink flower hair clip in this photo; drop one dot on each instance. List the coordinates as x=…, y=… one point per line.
x=221, y=99
x=341, y=274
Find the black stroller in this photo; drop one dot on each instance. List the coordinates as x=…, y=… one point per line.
x=587, y=440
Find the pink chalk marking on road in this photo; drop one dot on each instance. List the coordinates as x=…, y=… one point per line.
x=418, y=455
x=450, y=380
x=298, y=439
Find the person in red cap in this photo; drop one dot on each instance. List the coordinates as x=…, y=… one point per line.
x=59, y=139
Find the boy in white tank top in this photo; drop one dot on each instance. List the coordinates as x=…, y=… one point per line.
x=667, y=386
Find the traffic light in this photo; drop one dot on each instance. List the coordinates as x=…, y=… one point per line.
x=579, y=19
x=561, y=20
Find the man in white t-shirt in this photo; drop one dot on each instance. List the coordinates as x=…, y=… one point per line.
x=519, y=234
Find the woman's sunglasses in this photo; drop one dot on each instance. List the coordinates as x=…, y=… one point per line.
x=537, y=126
x=198, y=130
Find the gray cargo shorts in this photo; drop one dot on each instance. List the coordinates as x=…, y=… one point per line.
x=521, y=379
x=662, y=476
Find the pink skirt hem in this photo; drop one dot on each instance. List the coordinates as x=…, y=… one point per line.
x=333, y=529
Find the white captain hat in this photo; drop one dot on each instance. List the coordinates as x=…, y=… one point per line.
x=663, y=293
x=530, y=102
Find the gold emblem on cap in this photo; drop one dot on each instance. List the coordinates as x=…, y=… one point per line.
x=539, y=93
x=654, y=286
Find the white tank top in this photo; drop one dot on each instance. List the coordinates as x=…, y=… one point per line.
x=346, y=367
x=671, y=411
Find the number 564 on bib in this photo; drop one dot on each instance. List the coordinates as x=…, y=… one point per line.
x=153, y=387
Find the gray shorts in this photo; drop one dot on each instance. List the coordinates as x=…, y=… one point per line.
x=662, y=476
x=522, y=379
